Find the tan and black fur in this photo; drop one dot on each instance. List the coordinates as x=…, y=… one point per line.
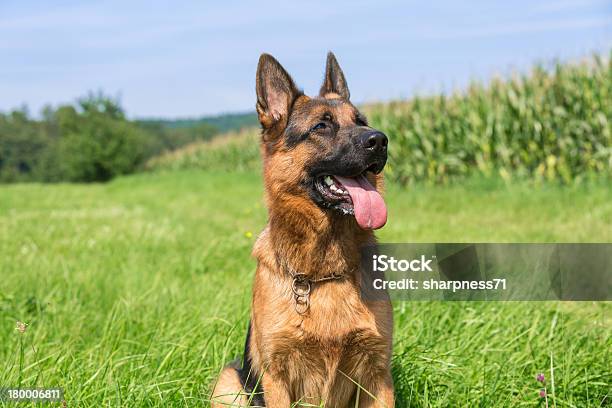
x=319, y=356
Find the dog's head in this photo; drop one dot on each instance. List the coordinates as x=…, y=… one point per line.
x=319, y=153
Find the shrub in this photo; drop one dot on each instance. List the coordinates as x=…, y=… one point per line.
x=99, y=143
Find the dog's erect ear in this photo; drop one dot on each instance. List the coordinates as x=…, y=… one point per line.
x=276, y=91
x=334, y=79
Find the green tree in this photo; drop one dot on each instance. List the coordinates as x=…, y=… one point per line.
x=97, y=143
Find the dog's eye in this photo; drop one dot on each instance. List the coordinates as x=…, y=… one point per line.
x=319, y=126
x=360, y=122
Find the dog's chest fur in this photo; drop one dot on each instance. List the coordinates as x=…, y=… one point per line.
x=324, y=352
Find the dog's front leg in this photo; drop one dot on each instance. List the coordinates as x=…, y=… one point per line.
x=276, y=394
x=382, y=390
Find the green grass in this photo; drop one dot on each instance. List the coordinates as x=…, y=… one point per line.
x=233, y=151
x=137, y=292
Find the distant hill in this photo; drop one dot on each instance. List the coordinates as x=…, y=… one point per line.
x=222, y=123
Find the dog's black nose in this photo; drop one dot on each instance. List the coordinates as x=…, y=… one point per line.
x=374, y=140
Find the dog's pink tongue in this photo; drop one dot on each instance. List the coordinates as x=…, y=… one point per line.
x=370, y=208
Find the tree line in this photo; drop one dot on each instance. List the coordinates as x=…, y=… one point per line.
x=88, y=141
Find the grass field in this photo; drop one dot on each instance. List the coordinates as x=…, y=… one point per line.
x=136, y=292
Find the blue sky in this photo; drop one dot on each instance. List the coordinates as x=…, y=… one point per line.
x=181, y=59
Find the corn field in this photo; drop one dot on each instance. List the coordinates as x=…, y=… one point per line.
x=547, y=125
x=231, y=151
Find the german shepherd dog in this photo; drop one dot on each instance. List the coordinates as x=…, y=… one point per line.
x=313, y=337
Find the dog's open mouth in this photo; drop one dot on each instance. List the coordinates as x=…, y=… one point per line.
x=354, y=196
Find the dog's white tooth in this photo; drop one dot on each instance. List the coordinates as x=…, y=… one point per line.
x=328, y=181
x=333, y=188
